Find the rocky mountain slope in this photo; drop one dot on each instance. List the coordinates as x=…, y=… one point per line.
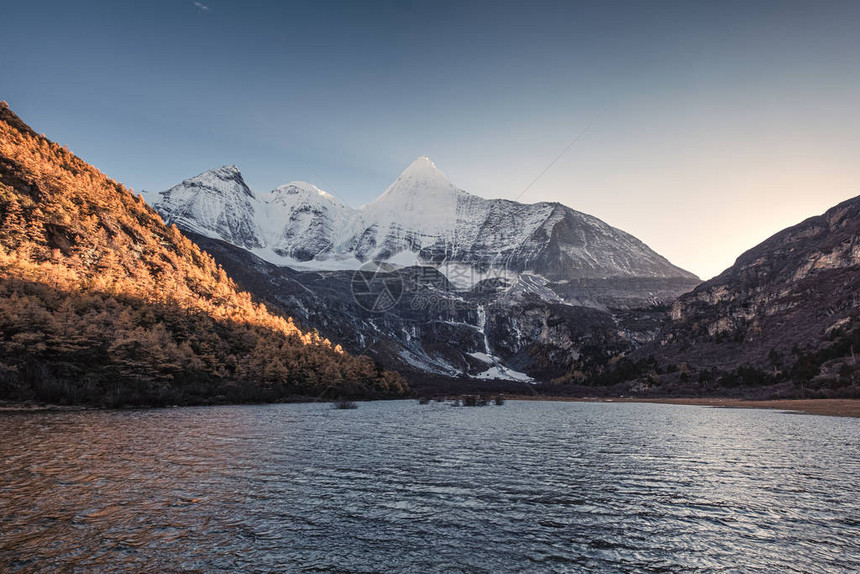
x=486, y=289
x=101, y=302
x=435, y=332
x=786, y=314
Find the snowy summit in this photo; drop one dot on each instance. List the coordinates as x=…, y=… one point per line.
x=421, y=218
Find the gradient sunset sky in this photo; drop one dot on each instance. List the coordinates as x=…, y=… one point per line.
x=712, y=124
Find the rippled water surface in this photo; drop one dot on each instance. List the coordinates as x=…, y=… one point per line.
x=397, y=486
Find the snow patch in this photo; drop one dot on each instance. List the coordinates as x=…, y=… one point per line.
x=483, y=357
x=500, y=372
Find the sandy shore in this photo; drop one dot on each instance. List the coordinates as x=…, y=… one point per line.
x=829, y=407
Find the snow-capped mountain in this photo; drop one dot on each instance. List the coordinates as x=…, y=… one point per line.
x=302, y=221
x=425, y=214
x=569, y=284
x=216, y=203
x=421, y=218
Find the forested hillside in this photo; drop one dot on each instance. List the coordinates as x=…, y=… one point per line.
x=100, y=302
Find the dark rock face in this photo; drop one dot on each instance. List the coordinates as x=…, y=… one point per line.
x=791, y=289
x=787, y=311
x=489, y=332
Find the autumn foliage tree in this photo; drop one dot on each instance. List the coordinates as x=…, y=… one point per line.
x=101, y=302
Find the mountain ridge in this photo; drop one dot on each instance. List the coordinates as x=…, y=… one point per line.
x=423, y=218
x=492, y=288
x=785, y=318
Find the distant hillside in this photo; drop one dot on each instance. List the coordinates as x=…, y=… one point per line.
x=784, y=319
x=101, y=302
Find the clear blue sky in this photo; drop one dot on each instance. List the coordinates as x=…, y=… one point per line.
x=718, y=123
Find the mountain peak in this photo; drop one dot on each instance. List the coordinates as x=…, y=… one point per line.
x=295, y=187
x=224, y=172
x=230, y=169
x=423, y=167
x=288, y=192
x=225, y=179
x=422, y=177
x=422, y=162
x=216, y=203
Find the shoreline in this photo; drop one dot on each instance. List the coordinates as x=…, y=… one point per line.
x=825, y=407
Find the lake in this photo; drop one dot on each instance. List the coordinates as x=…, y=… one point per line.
x=397, y=486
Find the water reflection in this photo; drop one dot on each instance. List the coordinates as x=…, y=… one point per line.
x=400, y=486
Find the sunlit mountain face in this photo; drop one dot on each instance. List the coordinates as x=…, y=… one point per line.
x=104, y=303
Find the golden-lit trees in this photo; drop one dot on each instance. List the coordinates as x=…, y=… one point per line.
x=94, y=287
